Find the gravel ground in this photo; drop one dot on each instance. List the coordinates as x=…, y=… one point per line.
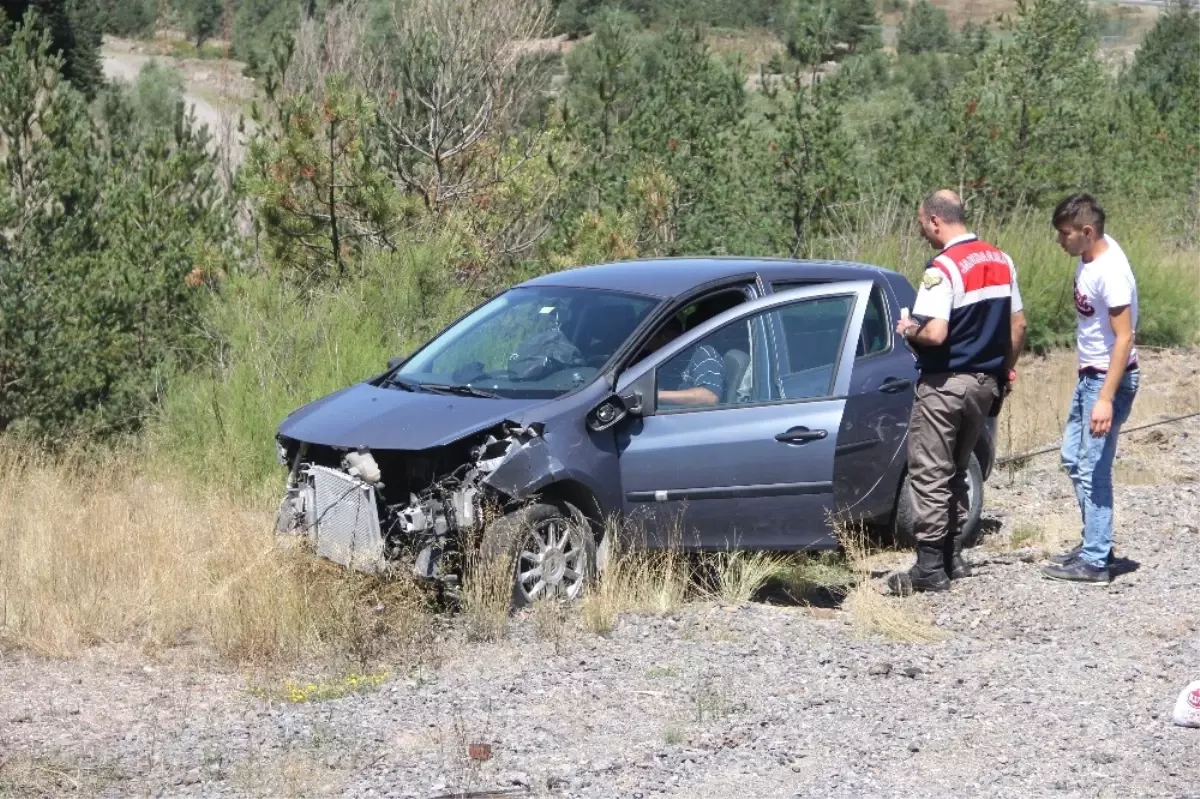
x=1040, y=689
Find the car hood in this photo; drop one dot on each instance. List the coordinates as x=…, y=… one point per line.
x=363, y=415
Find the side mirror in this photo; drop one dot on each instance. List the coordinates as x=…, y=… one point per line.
x=634, y=395
x=606, y=414
x=395, y=361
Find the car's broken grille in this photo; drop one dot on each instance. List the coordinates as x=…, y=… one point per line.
x=346, y=528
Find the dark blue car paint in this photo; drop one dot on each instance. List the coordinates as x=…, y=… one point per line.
x=734, y=481
x=392, y=418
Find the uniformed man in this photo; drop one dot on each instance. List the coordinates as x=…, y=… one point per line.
x=967, y=328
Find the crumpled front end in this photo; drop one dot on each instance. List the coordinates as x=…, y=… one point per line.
x=372, y=511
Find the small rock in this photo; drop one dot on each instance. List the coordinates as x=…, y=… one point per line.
x=912, y=672
x=1104, y=758
x=914, y=747
x=880, y=670
x=192, y=777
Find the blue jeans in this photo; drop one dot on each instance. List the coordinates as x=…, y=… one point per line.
x=1088, y=460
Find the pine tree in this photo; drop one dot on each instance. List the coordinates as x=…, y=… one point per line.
x=75, y=34
x=203, y=19
x=924, y=29
x=1167, y=65
x=110, y=235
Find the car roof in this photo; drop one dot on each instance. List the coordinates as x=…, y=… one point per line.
x=670, y=277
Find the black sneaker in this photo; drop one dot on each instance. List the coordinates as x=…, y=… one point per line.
x=1073, y=554
x=1077, y=571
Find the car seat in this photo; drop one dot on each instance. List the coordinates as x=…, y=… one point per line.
x=736, y=363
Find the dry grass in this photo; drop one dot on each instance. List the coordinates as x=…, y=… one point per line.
x=1046, y=535
x=290, y=774
x=635, y=580
x=550, y=622
x=1036, y=411
x=871, y=612
x=738, y=576
x=809, y=575
x=653, y=583
x=754, y=47
x=105, y=550
x=487, y=592
x=29, y=776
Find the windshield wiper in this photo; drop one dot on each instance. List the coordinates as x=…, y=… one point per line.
x=465, y=391
x=400, y=382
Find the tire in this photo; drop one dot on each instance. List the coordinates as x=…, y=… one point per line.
x=902, y=524
x=528, y=530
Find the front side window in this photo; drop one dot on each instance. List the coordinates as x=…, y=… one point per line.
x=714, y=372
x=533, y=342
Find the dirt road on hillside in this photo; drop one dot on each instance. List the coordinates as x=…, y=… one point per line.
x=212, y=104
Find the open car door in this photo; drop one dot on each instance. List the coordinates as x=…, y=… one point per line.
x=754, y=468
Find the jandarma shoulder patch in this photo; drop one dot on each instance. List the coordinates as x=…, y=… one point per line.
x=932, y=278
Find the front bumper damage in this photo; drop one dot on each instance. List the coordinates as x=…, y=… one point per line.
x=371, y=511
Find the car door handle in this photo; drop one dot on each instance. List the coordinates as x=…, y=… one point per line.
x=800, y=435
x=894, y=385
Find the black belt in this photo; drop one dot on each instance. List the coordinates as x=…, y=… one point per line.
x=1096, y=371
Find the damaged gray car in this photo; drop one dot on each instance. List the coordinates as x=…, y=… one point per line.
x=746, y=403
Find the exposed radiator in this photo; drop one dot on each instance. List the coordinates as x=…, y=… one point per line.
x=346, y=520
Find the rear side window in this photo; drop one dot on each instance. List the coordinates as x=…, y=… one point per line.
x=876, y=335
x=876, y=332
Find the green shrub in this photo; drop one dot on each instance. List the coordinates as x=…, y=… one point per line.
x=111, y=234
x=277, y=347
x=127, y=17
x=925, y=29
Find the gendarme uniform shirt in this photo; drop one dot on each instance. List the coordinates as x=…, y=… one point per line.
x=973, y=286
x=1105, y=283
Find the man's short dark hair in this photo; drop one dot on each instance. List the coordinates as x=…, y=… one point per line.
x=945, y=206
x=1079, y=210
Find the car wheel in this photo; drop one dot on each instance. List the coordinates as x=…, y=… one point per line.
x=552, y=547
x=902, y=524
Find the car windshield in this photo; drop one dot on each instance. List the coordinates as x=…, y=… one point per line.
x=531, y=342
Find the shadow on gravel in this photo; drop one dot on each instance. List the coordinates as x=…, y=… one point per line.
x=1122, y=566
x=792, y=594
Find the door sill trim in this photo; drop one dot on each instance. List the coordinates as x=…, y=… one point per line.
x=731, y=492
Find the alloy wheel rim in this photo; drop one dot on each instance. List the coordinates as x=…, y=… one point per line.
x=551, y=562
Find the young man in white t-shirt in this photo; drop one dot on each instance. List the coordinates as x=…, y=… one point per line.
x=1106, y=309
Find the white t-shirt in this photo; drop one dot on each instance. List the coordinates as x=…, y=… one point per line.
x=1107, y=282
